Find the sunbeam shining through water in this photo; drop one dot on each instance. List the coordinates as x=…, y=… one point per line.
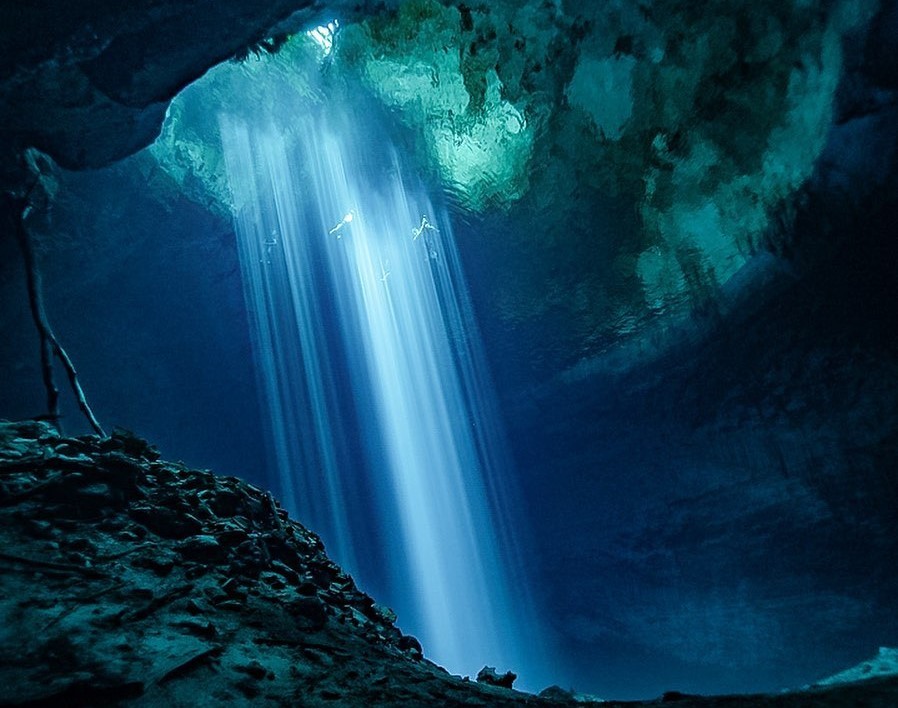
x=386, y=437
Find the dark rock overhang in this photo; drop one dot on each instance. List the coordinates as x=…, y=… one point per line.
x=89, y=83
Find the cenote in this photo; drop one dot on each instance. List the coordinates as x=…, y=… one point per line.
x=393, y=341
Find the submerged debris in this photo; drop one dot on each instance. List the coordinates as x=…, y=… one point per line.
x=489, y=675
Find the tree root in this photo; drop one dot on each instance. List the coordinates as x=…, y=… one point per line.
x=20, y=208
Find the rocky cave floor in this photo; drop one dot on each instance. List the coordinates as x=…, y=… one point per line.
x=127, y=580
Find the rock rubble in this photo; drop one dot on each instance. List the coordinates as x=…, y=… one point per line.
x=128, y=580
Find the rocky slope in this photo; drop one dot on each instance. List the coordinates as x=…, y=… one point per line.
x=126, y=578
x=129, y=580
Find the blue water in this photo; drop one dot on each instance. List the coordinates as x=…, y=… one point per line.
x=381, y=413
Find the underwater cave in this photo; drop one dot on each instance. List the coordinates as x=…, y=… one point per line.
x=428, y=352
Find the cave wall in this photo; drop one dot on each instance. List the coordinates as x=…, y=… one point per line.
x=727, y=512
x=717, y=497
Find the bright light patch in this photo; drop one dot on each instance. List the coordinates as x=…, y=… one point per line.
x=324, y=36
x=378, y=391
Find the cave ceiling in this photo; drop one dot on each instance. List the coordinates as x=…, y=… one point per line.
x=618, y=161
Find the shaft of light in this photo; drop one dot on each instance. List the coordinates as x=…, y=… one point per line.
x=365, y=340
